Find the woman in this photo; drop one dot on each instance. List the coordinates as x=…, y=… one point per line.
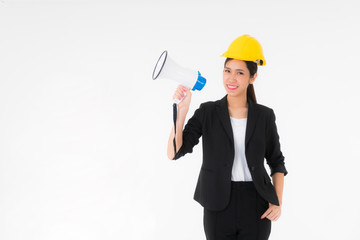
x=234, y=188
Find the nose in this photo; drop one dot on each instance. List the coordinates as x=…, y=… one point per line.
x=233, y=77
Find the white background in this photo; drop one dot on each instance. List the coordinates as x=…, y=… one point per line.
x=84, y=128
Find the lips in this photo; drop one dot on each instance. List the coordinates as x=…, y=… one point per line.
x=232, y=87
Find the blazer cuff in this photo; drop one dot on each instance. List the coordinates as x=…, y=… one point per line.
x=179, y=153
x=280, y=168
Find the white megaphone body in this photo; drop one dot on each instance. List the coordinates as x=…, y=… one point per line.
x=167, y=68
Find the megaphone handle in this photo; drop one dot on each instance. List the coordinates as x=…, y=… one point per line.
x=174, y=117
x=176, y=101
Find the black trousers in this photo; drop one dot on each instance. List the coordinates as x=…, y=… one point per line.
x=240, y=220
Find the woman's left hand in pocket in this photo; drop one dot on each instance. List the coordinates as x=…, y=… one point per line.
x=272, y=213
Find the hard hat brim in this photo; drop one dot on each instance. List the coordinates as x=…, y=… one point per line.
x=256, y=61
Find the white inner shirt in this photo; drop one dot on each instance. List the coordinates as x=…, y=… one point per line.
x=240, y=169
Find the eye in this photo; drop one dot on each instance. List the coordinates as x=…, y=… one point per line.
x=226, y=70
x=240, y=73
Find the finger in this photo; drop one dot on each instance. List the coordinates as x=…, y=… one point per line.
x=177, y=96
x=272, y=212
x=270, y=218
x=278, y=215
x=181, y=88
x=272, y=215
x=265, y=213
x=180, y=91
x=273, y=218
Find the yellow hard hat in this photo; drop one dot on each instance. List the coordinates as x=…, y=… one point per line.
x=246, y=48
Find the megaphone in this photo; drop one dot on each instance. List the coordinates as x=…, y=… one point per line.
x=167, y=68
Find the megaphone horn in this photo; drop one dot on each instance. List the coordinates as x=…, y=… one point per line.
x=167, y=68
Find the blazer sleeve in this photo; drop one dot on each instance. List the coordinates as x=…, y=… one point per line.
x=191, y=133
x=273, y=154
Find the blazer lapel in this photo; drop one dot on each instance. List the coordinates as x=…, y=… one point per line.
x=223, y=112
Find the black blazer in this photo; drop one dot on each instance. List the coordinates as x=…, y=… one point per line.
x=212, y=121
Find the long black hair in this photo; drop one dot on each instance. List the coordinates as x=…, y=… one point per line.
x=252, y=66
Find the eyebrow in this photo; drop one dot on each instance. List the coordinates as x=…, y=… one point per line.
x=235, y=69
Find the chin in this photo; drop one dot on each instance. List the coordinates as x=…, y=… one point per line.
x=234, y=93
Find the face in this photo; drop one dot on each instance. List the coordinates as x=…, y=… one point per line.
x=236, y=77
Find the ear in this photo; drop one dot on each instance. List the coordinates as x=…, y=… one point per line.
x=252, y=80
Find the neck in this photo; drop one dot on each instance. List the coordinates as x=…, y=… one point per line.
x=237, y=101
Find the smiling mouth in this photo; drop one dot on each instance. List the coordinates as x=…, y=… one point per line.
x=232, y=87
